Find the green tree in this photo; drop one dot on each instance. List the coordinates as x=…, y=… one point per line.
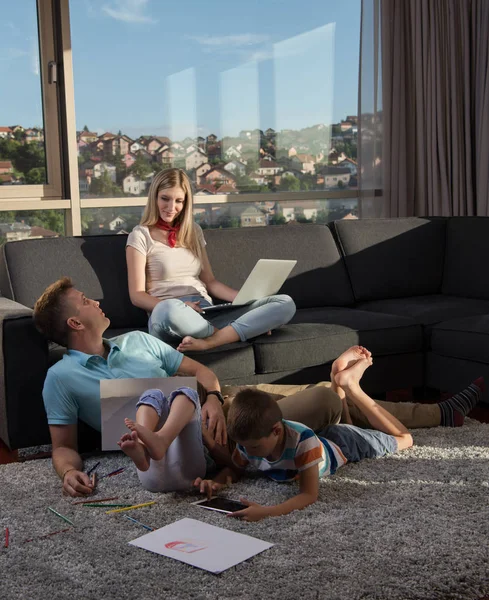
x=341, y=185
x=289, y=183
x=85, y=128
x=277, y=219
x=322, y=216
x=104, y=187
x=36, y=176
x=141, y=168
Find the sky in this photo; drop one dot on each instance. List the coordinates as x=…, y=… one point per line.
x=191, y=67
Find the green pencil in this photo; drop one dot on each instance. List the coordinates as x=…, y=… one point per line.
x=101, y=505
x=61, y=516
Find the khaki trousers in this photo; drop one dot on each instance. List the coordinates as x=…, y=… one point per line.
x=318, y=406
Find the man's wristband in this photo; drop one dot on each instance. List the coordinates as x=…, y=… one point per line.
x=215, y=393
x=67, y=471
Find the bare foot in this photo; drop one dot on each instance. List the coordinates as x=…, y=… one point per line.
x=351, y=376
x=190, y=343
x=155, y=444
x=130, y=445
x=349, y=358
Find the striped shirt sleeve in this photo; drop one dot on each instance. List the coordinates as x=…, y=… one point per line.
x=309, y=451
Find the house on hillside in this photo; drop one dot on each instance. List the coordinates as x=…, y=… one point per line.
x=219, y=176
x=236, y=167
x=6, y=133
x=268, y=167
x=6, y=167
x=129, y=159
x=348, y=163
x=104, y=167
x=132, y=185
x=201, y=170
x=195, y=159
x=88, y=136
x=333, y=176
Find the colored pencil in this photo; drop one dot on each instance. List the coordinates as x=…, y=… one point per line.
x=41, y=537
x=7, y=535
x=93, y=468
x=111, y=505
x=60, y=516
x=139, y=523
x=93, y=479
x=116, y=472
x=95, y=500
x=116, y=510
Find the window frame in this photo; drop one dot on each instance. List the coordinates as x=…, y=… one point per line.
x=11, y=196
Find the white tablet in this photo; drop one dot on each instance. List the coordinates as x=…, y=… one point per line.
x=221, y=504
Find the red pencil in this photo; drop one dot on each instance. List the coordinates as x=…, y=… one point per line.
x=41, y=537
x=7, y=535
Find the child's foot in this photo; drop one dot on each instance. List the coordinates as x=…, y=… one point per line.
x=155, y=445
x=189, y=343
x=351, y=376
x=455, y=409
x=349, y=358
x=130, y=445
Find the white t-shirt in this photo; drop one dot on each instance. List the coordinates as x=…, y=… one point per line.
x=170, y=272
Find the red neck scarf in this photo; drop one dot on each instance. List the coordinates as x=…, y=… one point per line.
x=172, y=231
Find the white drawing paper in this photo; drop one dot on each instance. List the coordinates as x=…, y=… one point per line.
x=201, y=545
x=118, y=398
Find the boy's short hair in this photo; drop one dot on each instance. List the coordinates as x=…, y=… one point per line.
x=252, y=415
x=50, y=312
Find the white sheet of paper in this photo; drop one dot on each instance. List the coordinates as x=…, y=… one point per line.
x=118, y=398
x=201, y=545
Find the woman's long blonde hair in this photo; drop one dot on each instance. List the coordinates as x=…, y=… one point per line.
x=168, y=178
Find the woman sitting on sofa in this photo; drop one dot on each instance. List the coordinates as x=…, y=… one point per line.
x=171, y=278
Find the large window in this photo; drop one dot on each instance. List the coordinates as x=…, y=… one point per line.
x=254, y=97
x=29, y=148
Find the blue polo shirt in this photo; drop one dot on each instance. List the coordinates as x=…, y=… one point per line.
x=72, y=387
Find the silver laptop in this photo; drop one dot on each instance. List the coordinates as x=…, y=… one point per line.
x=266, y=278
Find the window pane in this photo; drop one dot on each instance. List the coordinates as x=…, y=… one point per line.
x=243, y=104
x=22, y=152
x=29, y=224
x=121, y=220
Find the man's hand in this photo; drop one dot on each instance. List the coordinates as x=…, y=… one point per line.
x=208, y=486
x=213, y=420
x=77, y=483
x=254, y=512
x=194, y=305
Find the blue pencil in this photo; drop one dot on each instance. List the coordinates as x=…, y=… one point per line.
x=139, y=523
x=93, y=468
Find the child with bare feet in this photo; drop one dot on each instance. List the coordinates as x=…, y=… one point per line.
x=288, y=451
x=165, y=442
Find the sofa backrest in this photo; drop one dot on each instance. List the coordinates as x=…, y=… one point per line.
x=319, y=277
x=97, y=265
x=393, y=258
x=467, y=250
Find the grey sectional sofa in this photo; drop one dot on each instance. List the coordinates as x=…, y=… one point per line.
x=412, y=290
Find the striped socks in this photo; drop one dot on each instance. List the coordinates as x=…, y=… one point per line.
x=455, y=409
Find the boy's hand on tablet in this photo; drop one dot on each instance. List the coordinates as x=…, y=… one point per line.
x=208, y=486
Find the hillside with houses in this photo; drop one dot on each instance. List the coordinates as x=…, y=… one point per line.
x=114, y=165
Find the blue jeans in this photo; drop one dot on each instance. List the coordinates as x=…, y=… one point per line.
x=172, y=319
x=357, y=443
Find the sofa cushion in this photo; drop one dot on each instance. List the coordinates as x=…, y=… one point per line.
x=466, y=339
x=232, y=361
x=97, y=265
x=318, y=336
x=393, y=258
x=467, y=245
x=319, y=277
x=428, y=310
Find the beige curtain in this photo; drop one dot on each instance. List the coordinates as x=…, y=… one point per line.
x=435, y=61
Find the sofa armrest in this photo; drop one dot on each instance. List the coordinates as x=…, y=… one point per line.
x=24, y=357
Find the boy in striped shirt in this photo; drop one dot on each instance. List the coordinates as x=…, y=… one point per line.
x=289, y=451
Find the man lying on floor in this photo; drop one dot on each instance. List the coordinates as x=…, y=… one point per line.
x=72, y=392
